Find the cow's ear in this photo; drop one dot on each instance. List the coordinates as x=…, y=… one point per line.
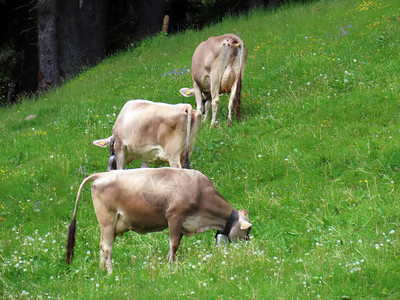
x=101, y=143
x=245, y=225
x=187, y=92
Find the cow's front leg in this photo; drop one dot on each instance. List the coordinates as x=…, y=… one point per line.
x=112, y=163
x=144, y=164
x=215, y=103
x=207, y=105
x=175, y=163
x=175, y=236
x=199, y=98
x=173, y=247
x=119, y=155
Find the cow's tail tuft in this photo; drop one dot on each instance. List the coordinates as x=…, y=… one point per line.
x=189, y=123
x=112, y=162
x=69, y=254
x=237, y=101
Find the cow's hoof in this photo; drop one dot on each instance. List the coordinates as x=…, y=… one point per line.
x=229, y=122
x=214, y=124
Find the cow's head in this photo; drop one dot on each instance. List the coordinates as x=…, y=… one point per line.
x=241, y=228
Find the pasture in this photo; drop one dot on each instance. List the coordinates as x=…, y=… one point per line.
x=315, y=159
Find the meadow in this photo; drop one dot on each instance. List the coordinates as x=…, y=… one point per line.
x=315, y=159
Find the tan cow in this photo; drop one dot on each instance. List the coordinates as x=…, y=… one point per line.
x=147, y=200
x=217, y=67
x=152, y=132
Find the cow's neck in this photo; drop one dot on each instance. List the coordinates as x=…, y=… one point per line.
x=230, y=222
x=220, y=212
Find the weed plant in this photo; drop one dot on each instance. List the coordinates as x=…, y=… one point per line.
x=315, y=159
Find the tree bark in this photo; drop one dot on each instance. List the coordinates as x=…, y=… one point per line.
x=93, y=30
x=69, y=60
x=274, y=3
x=47, y=44
x=252, y=4
x=150, y=15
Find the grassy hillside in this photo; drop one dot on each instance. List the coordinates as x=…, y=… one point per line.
x=315, y=160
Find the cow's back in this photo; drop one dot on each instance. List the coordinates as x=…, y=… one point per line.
x=215, y=53
x=138, y=197
x=138, y=115
x=143, y=129
x=144, y=197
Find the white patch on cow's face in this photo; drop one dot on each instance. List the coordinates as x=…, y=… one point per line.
x=241, y=228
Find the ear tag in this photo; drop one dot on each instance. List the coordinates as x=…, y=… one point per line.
x=188, y=92
x=245, y=225
x=102, y=143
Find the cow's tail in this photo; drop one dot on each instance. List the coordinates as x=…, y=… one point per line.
x=69, y=254
x=242, y=63
x=237, y=102
x=188, y=127
x=112, y=162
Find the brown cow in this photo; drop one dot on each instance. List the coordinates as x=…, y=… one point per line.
x=152, y=132
x=217, y=67
x=147, y=200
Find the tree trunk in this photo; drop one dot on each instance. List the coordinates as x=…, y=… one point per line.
x=275, y=3
x=252, y=4
x=47, y=44
x=177, y=10
x=150, y=15
x=120, y=24
x=93, y=30
x=69, y=58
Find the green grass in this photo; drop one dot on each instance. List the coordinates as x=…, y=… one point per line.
x=315, y=160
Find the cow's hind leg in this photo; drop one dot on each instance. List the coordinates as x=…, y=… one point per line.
x=215, y=84
x=106, y=244
x=232, y=99
x=107, y=221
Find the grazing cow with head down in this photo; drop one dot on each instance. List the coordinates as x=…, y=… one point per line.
x=217, y=67
x=152, y=132
x=147, y=200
